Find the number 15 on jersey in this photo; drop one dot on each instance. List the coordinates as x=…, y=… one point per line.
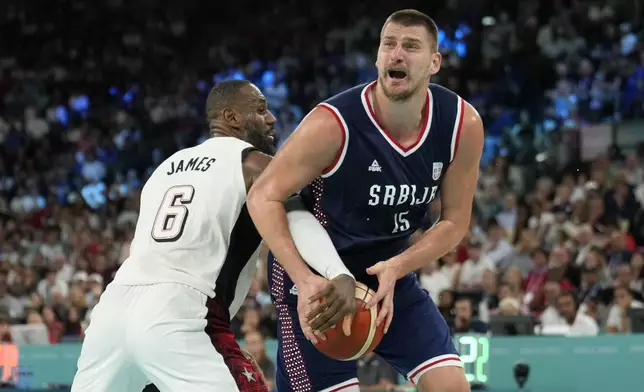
x=400, y=222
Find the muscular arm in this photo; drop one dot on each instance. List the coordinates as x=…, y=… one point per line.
x=457, y=194
x=306, y=154
x=311, y=242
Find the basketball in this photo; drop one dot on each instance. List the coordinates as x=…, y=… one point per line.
x=365, y=336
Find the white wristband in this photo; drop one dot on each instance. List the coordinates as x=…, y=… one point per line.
x=314, y=245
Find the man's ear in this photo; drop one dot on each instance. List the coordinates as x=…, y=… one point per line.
x=231, y=116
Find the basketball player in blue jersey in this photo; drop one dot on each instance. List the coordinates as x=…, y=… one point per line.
x=369, y=162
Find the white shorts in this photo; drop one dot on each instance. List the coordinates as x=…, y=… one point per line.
x=154, y=334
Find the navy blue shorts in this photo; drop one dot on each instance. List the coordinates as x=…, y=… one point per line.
x=418, y=340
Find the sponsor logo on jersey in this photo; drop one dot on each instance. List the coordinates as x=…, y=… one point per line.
x=437, y=170
x=375, y=167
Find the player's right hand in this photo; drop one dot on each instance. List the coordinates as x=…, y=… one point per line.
x=338, y=303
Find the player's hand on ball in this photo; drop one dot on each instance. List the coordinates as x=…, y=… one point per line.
x=309, y=287
x=387, y=277
x=339, y=303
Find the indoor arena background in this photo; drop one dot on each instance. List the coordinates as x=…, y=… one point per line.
x=94, y=94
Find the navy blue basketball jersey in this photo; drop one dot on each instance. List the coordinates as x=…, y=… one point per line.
x=377, y=192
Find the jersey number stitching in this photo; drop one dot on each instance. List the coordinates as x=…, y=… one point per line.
x=172, y=214
x=400, y=222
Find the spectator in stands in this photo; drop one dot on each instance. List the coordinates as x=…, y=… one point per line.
x=569, y=321
x=463, y=318
x=509, y=306
x=618, y=255
x=446, y=303
x=637, y=265
x=618, y=321
x=450, y=268
x=490, y=300
x=254, y=344
x=470, y=276
x=434, y=280
x=514, y=281
x=252, y=322
x=550, y=314
x=507, y=218
x=584, y=237
x=5, y=329
x=590, y=286
x=498, y=250
x=9, y=304
x=55, y=328
x=527, y=244
x=562, y=269
x=625, y=277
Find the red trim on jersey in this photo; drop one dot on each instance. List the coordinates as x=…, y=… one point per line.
x=460, y=126
x=353, y=384
x=336, y=160
x=423, y=127
x=434, y=363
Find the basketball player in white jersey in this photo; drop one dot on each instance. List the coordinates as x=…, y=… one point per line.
x=165, y=319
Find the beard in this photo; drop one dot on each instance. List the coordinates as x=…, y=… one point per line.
x=258, y=138
x=399, y=96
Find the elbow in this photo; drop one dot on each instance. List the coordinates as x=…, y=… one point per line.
x=254, y=200
x=460, y=228
x=461, y=231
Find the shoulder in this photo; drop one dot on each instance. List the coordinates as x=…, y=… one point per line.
x=440, y=93
x=586, y=320
x=348, y=98
x=253, y=164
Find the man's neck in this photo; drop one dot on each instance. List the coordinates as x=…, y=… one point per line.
x=219, y=128
x=401, y=119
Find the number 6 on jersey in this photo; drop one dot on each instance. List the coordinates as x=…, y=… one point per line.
x=172, y=214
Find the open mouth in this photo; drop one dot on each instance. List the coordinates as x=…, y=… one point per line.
x=397, y=74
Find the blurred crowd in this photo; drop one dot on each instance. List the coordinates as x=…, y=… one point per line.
x=93, y=97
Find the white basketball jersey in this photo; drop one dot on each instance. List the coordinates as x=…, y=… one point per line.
x=193, y=225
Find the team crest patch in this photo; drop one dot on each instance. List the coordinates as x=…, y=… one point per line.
x=437, y=170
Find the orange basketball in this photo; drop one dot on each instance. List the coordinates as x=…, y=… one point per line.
x=365, y=336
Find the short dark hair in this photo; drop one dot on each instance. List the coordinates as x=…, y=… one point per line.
x=411, y=17
x=223, y=95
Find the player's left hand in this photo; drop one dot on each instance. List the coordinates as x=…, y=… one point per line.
x=387, y=276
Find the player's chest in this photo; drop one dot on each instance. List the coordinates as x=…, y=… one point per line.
x=381, y=179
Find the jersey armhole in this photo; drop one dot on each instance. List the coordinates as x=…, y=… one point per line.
x=458, y=125
x=246, y=152
x=337, y=161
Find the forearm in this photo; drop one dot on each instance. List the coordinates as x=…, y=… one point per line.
x=272, y=224
x=313, y=243
x=435, y=243
x=296, y=239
